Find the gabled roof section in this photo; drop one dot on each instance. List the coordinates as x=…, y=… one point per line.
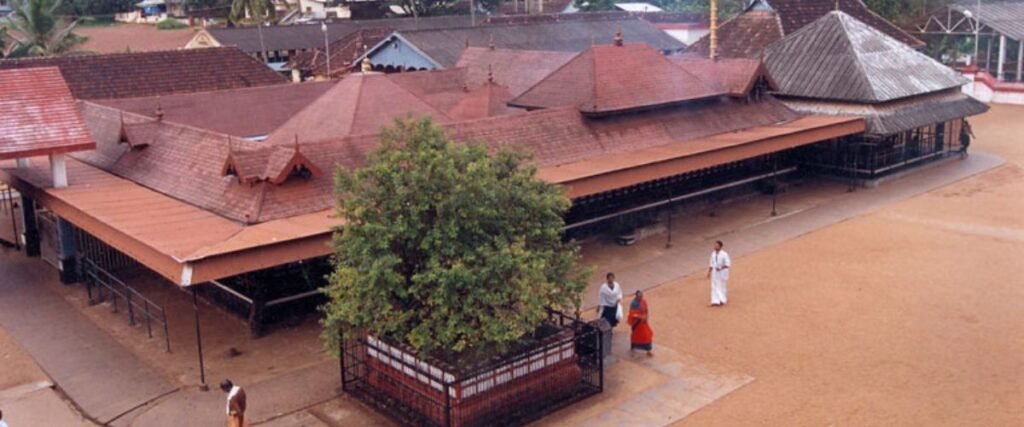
x=795, y=14
x=616, y=78
x=357, y=104
x=125, y=75
x=840, y=58
x=38, y=115
x=273, y=164
x=745, y=35
x=139, y=135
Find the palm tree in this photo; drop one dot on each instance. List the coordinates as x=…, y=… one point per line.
x=255, y=10
x=38, y=30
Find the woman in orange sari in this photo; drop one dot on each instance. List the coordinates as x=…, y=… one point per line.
x=642, y=336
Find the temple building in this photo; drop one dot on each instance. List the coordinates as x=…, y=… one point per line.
x=912, y=105
x=258, y=182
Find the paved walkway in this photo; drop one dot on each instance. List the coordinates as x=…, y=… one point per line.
x=687, y=258
x=97, y=373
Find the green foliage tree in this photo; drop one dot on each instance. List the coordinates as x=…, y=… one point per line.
x=101, y=8
x=726, y=8
x=3, y=41
x=448, y=247
x=256, y=11
x=38, y=30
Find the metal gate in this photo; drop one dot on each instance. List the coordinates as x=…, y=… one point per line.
x=49, y=240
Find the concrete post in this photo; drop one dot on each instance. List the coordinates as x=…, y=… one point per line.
x=58, y=170
x=1020, y=59
x=1002, y=58
x=23, y=162
x=68, y=252
x=30, y=234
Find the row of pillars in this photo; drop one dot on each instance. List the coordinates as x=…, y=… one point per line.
x=1001, y=61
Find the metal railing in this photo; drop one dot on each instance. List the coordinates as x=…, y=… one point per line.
x=136, y=304
x=511, y=390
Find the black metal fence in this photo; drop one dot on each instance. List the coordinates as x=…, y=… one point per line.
x=559, y=370
x=101, y=284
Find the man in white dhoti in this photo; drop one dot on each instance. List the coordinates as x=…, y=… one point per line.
x=718, y=272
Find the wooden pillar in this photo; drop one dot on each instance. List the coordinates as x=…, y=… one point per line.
x=988, y=55
x=1002, y=58
x=259, y=302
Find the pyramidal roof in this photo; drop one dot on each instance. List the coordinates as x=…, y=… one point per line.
x=357, y=104
x=840, y=58
x=614, y=78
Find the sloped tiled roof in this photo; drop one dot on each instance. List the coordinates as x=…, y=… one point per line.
x=795, y=14
x=745, y=35
x=488, y=100
x=736, y=75
x=309, y=36
x=840, y=58
x=38, y=115
x=123, y=75
x=613, y=78
x=445, y=46
x=246, y=112
x=516, y=69
x=357, y=104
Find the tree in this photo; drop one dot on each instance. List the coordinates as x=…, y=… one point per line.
x=251, y=10
x=3, y=42
x=726, y=8
x=447, y=247
x=37, y=29
x=102, y=8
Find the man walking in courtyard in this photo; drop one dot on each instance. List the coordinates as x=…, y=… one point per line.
x=235, y=404
x=718, y=272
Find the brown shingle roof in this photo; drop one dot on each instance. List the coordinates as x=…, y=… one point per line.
x=123, y=75
x=519, y=70
x=357, y=104
x=38, y=115
x=611, y=78
x=795, y=14
x=745, y=35
x=246, y=112
x=737, y=75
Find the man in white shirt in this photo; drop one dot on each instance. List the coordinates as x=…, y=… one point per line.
x=718, y=272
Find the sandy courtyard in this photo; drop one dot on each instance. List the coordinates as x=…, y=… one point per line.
x=909, y=315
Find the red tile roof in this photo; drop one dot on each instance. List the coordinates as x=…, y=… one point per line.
x=124, y=75
x=611, y=78
x=246, y=112
x=488, y=100
x=743, y=36
x=357, y=104
x=519, y=70
x=38, y=115
x=737, y=75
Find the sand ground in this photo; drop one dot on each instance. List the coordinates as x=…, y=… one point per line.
x=909, y=315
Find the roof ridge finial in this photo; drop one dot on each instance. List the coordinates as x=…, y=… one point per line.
x=467, y=42
x=159, y=112
x=490, y=74
x=618, y=35
x=296, y=143
x=366, y=66
x=230, y=148
x=491, y=43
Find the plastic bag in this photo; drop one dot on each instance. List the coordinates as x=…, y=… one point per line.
x=618, y=312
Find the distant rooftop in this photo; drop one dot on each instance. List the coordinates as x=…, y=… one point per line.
x=123, y=75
